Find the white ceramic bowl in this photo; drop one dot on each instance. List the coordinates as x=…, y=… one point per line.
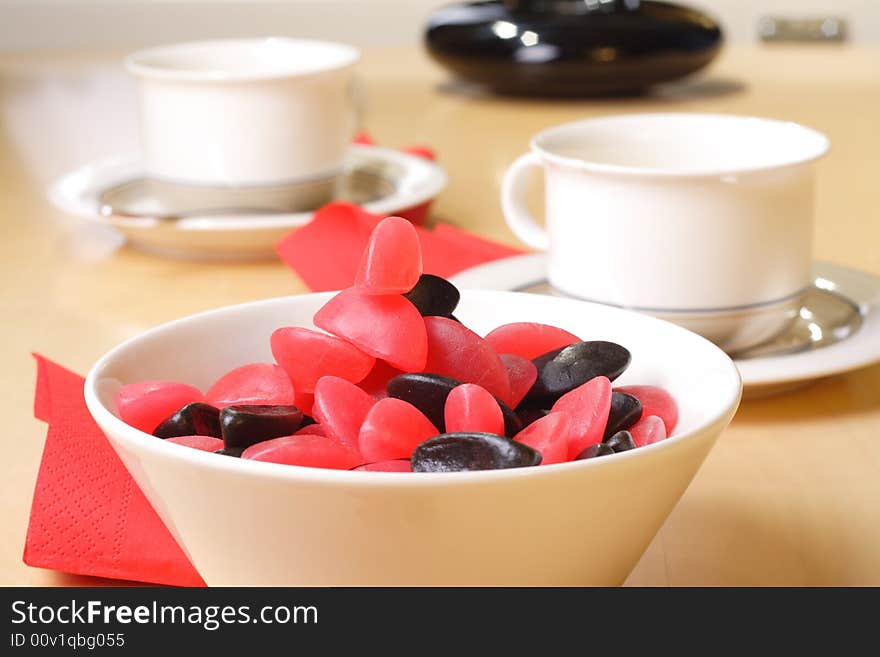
x=583, y=523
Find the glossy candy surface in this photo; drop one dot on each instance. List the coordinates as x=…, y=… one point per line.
x=622, y=441
x=308, y=355
x=529, y=339
x=625, y=411
x=203, y=443
x=376, y=382
x=427, y=392
x=456, y=351
x=549, y=436
x=341, y=407
x=396, y=465
x=528, y=415
x=244, y=424
x=647, y=431
x=304, y=402
x=306, y=450
x=512, y=424
x=195, y=419
x=470, y=408
x=521, y=373
x=392, y=261
x=591, y=452
x=655, y=401
x=255, y=383
x=565, y=369
x=392, y=429
x=384, y=326
x=455, y=452
x=588, y=406
x=313, y=429
x=147, y=404
x=434, y=295
x=234, y=452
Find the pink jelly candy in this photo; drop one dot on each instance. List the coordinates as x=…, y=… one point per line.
x=341, y=407
x=392, y=430
x=392, y=261
x=655, y=401
x=395, y=465
x=522, y=374
x=588, y=405
x=305, y=449
x=308, y=355
x=456, y=351
x=376, y=381
x=147, y=404
x=304, y=401
x=549, y=435
x=256, y=383
x=311, y=429
x=650, y=429
x=472, y=408
x=385, y=326
x=204, y=443
x=529, y=339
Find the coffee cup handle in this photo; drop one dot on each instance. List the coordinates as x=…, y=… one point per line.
x=514, y=206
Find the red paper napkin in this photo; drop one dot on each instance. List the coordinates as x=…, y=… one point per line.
x=326, y=251
x=88, y=516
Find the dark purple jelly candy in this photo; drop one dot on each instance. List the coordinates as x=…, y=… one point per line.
x=427, y=392
x=307, y=420
x=529, y=415
x=591, y=452
x=626, y=410
x=621, y=441
x=564, y=369
x=455, y=452
x=434, y=296
x=512, y=424
x=230, y=451
x=244, y=425
x=196, y=419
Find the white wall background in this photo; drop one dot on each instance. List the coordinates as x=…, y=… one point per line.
x=104, y=24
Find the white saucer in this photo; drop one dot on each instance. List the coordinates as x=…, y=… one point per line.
x=763, y=375
x=403, y=181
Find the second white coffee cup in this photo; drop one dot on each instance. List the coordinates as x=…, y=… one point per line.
x=246, y=112
x=704, y=219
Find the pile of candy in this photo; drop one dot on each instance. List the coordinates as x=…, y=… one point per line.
x=398, y=384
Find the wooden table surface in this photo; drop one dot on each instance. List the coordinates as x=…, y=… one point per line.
x=789, y=496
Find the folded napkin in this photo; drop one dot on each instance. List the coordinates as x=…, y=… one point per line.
x=88, y=516
x=326, y=251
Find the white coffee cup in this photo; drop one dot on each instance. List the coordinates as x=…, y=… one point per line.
x=703, y=219
x=246, y=112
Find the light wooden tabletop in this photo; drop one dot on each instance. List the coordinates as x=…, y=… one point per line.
x=789, y=496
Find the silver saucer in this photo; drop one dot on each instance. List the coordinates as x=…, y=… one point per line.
x=836, y=330
x=826, y=317
x=193, y=223
x=149, y=198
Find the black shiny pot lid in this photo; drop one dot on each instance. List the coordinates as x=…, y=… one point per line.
x=571, y=47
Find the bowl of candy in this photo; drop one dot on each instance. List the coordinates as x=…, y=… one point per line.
x=402, y=432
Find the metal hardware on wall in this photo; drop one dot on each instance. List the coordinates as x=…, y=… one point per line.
x=778, y=29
